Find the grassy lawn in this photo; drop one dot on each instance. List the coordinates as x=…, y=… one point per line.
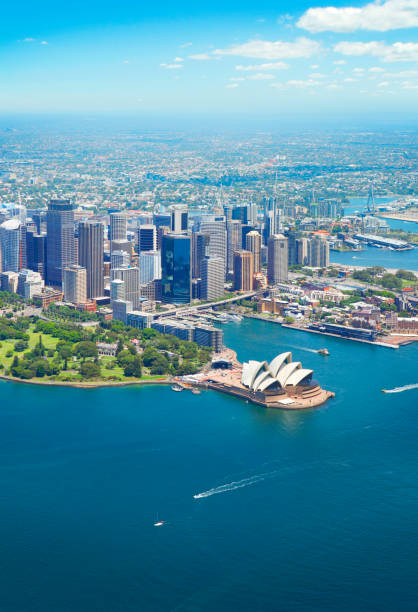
x=114, y=374
x=8, y=345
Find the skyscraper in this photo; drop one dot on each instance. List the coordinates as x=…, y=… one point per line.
x=234, y=240
x=200, y=250
x=213, y=278
x=318, y=252
x=60, y=240
x=277, y=263
x=179, y=219
x=90, y=256
x=149, y=266
x=302, y=251
x=10, y=245
x=130, y=278
x=243, y=271
x=147, y=238
x=176, y=269
x=36, y=252
x=253, y=244
x=120, y=259
x=218, y=242
x=118, y=226
x=75, y=284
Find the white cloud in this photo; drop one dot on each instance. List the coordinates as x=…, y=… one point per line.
x=378, y=15
x=314, y=66
x=237, y=79
x=333, y=86
x=383, y=84
x=268, y=66
x=262, y=76
x=44, y=42
x=307, y=83
x=184, y=45
x=171, y=66
x=358, y=71
x=200, y=56
x=339, y=62
x=376, y=69
x=273, y=50
x=29, y=39
x=231, y=85
x=409, y=85
x=178, y=59
x=317, y=75
x=350, y=80
x=396, y=52
x=126, y=62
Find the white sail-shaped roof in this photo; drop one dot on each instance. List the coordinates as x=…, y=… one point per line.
x=268, y=382
x=262, y=376
x=251, y=372
x=286, y=371
x=278, y=362
x=298, y=376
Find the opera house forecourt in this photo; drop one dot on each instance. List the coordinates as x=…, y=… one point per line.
x=282, y=383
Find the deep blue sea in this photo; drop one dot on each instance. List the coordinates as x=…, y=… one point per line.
x=303, y=511
x=372, y=256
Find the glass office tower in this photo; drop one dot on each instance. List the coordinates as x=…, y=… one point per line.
x=176, y=265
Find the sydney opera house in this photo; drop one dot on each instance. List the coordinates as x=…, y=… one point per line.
x=282, y=383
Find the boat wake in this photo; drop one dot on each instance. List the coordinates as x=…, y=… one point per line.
x=401, y=389
x=238, y=484
x=302, y=348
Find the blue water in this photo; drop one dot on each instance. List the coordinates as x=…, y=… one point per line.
x=330, y=526
x=372, y=256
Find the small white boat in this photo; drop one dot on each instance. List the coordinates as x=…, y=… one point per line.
x=159, y=524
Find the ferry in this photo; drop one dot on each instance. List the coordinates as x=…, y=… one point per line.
x=323, y=351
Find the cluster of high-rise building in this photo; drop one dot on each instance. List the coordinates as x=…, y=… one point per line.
x=168, y=257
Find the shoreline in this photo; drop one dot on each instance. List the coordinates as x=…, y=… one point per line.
x=398, y=217
x=314, y=331
x=86, y=385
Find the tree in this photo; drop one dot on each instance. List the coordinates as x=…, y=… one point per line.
x=133, y=367
x=86, y=349
x=21, y=345
x=391, y=281
x=406, y=275
x=88, y=369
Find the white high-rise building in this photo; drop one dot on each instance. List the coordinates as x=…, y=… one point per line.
x=149, y=266
x=118, y=226
x=130, y=277
x=10, y=245
x=217, y=241
x=29, y=283
x=213, y=278
x=277, y=259
x=75, y=284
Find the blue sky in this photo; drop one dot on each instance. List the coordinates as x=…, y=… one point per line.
x=220, y=57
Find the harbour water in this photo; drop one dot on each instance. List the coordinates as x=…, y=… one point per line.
x=305, y=511
x=373, y=256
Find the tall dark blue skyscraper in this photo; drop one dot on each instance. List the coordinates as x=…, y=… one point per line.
x=176, y=268
x=60, y=240
x=90, y=256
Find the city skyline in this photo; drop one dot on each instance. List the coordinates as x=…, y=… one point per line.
x=273, y=58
